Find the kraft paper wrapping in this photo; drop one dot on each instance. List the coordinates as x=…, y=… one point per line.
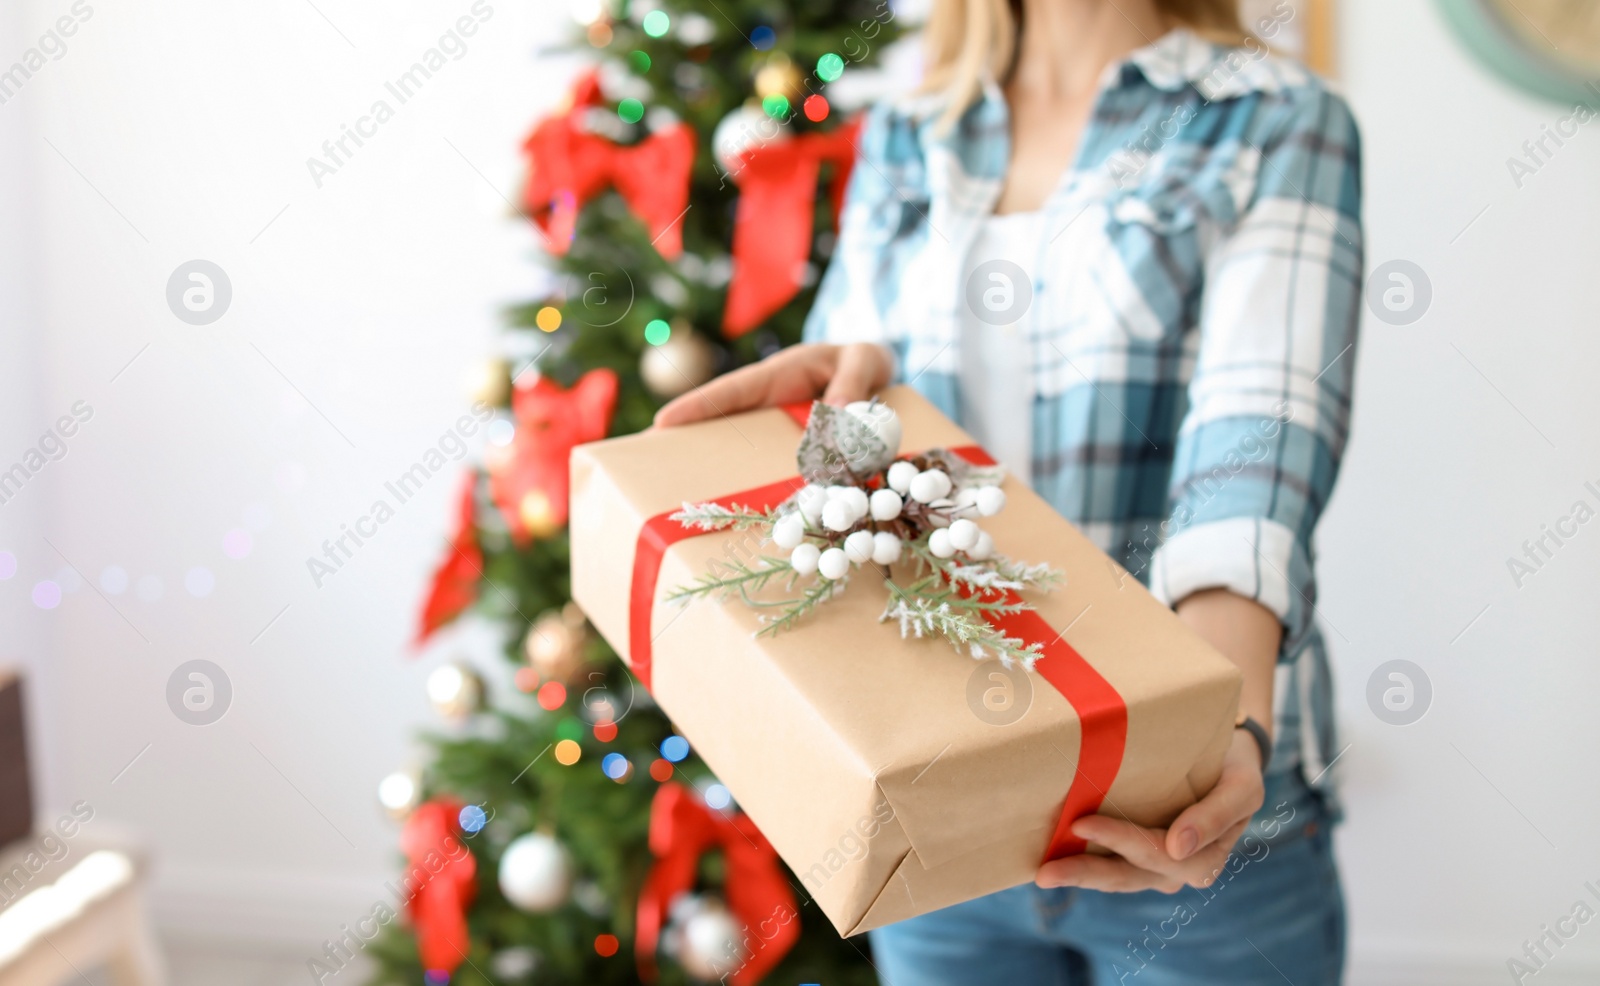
x=866, y=759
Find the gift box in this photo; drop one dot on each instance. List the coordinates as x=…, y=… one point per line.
x=894, y=774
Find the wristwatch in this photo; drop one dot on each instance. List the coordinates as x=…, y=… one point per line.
x=1259, y=733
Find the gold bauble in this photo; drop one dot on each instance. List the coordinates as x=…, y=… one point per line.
x=400, y=792
x=555, y=642
x=685, y=361
x=455, y=690
x=780, y=77
x=537, y=514
x=492, y=385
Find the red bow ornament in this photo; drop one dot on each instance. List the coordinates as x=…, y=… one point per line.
x=682, y=828
x=455, y=581
x=772, y=227
x=528, y=481
x=442, y=880
x=569, y=165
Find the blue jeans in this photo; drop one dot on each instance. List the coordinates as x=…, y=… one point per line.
x=1275, y=914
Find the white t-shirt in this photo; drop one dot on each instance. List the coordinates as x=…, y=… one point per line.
x=996, y=377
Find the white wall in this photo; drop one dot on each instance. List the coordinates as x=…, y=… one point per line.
x=179, y=130
x=187, y=125
x=1446, y=477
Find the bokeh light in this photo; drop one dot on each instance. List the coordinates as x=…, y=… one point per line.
x=552, y=695
x=605, y=945
x=656, y=23
x=830, y=67
x=568, y=752
x=657, y=331
x=674, y=748
x=548, y=319
x=472, y=819
x=718, y=797
x=776, y=106
x=815, y=108
x=526, y=679
x=46, y=594
x=631, y=110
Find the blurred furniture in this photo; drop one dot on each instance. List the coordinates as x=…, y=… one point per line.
x=16, y=793
x=70, y=901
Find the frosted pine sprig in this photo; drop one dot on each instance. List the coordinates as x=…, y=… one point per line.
x=716, y=517
x=965, y=629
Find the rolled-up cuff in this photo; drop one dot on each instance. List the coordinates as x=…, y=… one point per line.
x=1251, y=557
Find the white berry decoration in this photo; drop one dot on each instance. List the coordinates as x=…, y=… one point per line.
x=882, y=424
x=896, y=517
x=900, y=476
x=990, y=500
x=858, y=547
x=930, y=485
x=885, y=505
x=984, y=549
x=804, y=558
x=856, y=499
x=838, y=515
x=789, y=531
x=963, y=534
x=810, y=501
x=886, y=548
x=833, y=564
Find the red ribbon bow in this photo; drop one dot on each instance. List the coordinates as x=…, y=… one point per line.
x=682, y=828
x=772, y=227
x=569, y=165
x=1101, y=711
x=455, y=581
x=442, y=881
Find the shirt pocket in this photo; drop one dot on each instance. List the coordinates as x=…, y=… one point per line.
x=1147, y=267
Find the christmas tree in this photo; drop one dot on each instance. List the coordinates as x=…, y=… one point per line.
x=687, y=194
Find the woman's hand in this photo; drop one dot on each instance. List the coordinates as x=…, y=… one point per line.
x=1189, y=853
x=839, y=374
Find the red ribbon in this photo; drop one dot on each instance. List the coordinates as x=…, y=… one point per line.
x=1101, y=712
x=682, y=829
x=443, y=881
x=569, y=165
x=772, y=227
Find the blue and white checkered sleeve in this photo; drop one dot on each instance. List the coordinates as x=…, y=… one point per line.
x=847, y=307
x=1269, y=402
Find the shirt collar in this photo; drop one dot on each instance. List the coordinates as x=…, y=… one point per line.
x=1176, y=60
x=1181, y=58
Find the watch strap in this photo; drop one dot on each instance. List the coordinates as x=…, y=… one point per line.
x=1259, y=733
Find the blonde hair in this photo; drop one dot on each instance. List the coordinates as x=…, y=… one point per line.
x=969, y=40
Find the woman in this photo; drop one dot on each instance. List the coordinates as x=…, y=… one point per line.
x=1128, y=260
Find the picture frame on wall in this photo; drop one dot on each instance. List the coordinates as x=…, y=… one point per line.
x=1544, y=48
x=1304, y=29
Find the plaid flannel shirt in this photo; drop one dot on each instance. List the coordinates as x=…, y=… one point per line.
x=1192, y=325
